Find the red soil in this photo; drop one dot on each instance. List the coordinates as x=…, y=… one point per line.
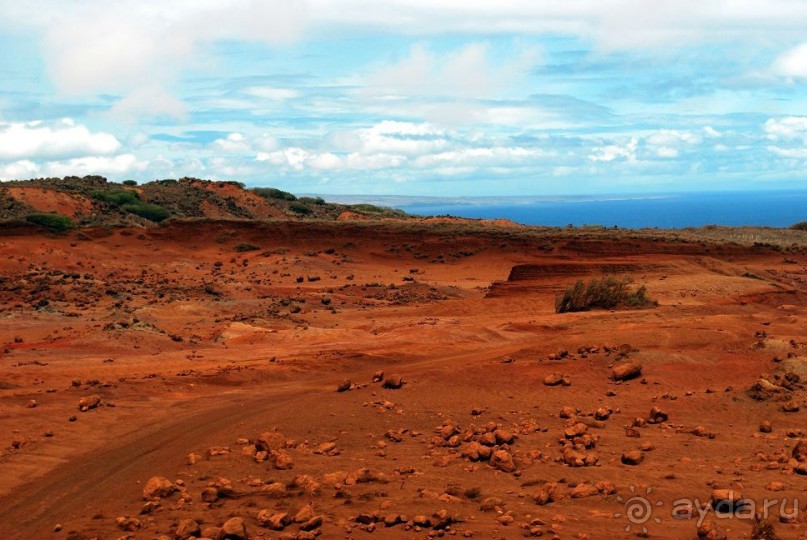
x=199, y=346
x=48, y=200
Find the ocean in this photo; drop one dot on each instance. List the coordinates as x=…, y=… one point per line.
x=672, y=211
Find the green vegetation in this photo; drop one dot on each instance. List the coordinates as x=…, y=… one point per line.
x=152, y=212
x=129, y=182
x=605, y=293
x=800, y=226
x=54, y=222
x=129, y=201
x=274, y=193
x=378, y=210
x=117, y=197
x=319, y=201
x=300, y=208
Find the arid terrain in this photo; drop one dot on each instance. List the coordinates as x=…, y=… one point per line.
x=397, y=379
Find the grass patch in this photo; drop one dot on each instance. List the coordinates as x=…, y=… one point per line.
x=152, y=212
x=53, y=222
x=118, y=197
x=300, y=208
x=274, y=193
x=602, y=293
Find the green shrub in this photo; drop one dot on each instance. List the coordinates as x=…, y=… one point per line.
x=152, y=212
x=54, y=222
x=800, y=226
x=129, y=182
x=274, y=193
x=118, y=197
x=379, y=210
x=300, y=208
x=604, y=293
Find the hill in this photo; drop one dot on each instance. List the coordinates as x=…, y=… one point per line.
x=94, y=201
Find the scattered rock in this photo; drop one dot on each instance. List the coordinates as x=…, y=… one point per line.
x=233, y=529
x=344, y=386
x=158, y=487
x=393, y=382
x=186, y=529
x=89, y=402
x=633, y=457
x=626, y=371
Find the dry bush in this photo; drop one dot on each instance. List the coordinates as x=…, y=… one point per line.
x=607, y=292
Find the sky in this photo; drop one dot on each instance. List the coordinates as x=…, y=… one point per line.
x=409, y=97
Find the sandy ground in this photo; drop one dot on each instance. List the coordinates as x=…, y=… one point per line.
x=198, y=339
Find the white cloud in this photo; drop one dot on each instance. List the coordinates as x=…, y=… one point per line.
x=792, y=63
x=18, y=170
x=138, y=47
x=271, y=93
x=468, y=72
x=147, y=101
x=114, y=166
x=62, y=139
x=612, y=23
x=613, y=152
x=671, y=137
x=794, y=153
x=787, y=128
x=666, y=152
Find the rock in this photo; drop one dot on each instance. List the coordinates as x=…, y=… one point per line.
x=378, y=376
x=725, y=500
x=326, y=448
x=391, y=520
x=304, y=514
x=158, y=487
x=270, y=440
x=657, y=416
x=709, y=531
x=503, y=437
x=475, y=451
x=128, y=523
x=765, y=427
x=313, y=523
x=344, y=386
x=633, y=457
x=556, y=379
x=791, y=406
x=282, y=461
x=576, y=430
x=567, y=412
x=582, y=491
x=233, y=529
x=277, y=521
x=491, y=503
x=393, y=382
x=775, y=486
x=626, y=371
x=701, y=431
x=210, y=495
x=503, y=461
x=89, y=402
x=186, y=529
x=800, y=451
x=547, y=494
x=602, y=414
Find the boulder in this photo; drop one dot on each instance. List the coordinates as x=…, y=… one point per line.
x=157, y=487
x=626, y=371
x=393, y=382
x=89, y=402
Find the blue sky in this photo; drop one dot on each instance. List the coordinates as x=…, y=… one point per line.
x=410, y=97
